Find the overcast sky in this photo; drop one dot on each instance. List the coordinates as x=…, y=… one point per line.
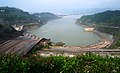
x=59, y=5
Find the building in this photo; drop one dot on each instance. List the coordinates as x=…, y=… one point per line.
x=89, y=29
x=18, y=28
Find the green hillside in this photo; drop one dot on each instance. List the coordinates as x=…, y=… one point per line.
x=108, y=21
x=9, y=15
x=7, y=32
x=108, y=17
x=45, y=16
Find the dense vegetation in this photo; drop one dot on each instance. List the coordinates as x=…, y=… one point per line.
x=45, y=16
x=88, y=63
x=108, y=21
x=7, y=32
x=111, y=17
x=11, y=16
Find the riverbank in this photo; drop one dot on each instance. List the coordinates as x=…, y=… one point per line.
x=36, y=25
x=48, y=32
x=68, y=32
x=70, y=51
x=62, y=34
x=105, y=42
x=31, y=26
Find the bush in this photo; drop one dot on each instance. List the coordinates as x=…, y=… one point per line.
x=59, y=44
x=88, y=63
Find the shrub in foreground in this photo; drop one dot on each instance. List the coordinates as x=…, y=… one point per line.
x=88, y=63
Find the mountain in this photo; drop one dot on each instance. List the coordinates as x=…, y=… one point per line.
x=45, y=16
x=10, y=15
x=111, y=18
x=108, y=22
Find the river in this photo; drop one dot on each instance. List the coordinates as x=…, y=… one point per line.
x=65, y=30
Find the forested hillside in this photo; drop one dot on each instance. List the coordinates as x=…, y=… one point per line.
x=9, y=15
x=45, y=16
x=111, y=18
x=13, y=16
x=7, y=32
x=108, y=21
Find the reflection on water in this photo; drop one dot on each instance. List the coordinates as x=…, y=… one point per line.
x=65, y=30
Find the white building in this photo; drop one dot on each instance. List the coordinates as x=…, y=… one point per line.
x=89, y=29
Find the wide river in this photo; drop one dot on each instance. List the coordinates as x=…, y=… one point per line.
x=65, y=30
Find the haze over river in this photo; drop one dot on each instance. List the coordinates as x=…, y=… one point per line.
x=65, y=30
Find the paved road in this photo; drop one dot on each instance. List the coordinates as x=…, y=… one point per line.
x=79, y=50
x=73, y=51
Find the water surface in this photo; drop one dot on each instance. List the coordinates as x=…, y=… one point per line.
x=65, y=30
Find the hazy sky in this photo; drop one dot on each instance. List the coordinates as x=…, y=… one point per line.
x=59, y=5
